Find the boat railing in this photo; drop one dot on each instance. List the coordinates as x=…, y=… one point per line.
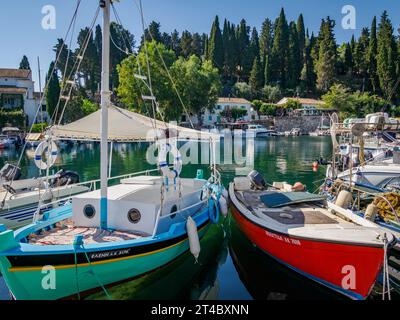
x=91, y=185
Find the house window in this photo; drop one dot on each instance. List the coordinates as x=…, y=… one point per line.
x=209, y=118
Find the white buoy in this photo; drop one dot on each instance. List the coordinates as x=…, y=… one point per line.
x=223, y=206
x=371, y=212
x=194, y=242
x=344, y=199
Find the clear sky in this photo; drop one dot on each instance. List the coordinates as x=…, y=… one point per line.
x=22, y=33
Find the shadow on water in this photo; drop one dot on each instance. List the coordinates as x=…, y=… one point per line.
x=184, y=278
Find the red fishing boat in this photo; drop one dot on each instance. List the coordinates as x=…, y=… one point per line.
x=319, y=240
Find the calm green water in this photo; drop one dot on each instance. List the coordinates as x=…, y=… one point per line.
x=229, y=266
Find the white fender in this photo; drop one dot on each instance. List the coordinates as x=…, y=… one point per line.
x=223, y=206
x=194, y=242
x=225, y=193
x=47, y=195
x=50, y=150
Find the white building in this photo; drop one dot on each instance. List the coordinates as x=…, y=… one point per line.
x=216, y=115
x=17, y=91
x=310, y=107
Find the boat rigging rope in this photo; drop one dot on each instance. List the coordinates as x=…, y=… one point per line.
x=386, y=281
x=43, y=97
x=95, y=275
x=54, y=115
x=77, y=65
x=140, y=8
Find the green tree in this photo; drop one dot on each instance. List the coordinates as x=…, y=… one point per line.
x=242, y=90
x=371, y=58
x=123, y=39
x=256, y=80
x=197, y=45
x=308, y=76
x=387, y=56
x=89, y=107
x=198, y=83
x=280, y=51
x=65, y=57
x=266, y=40
x=244, y=53
x=361, y=59
x=186, y=44
x=294, y=58
x=272, y=93
x=234, y=113
x=215, y=46
x=24, y=63
x=131, y=89
x=301, y=34
x=53, y=90
x=90, y=68
x=327, y=55
x=152, y=32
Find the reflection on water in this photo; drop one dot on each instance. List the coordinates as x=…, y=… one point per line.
x=266, y=279
x=229, y=268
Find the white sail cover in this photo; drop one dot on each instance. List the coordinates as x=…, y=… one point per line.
x=124, y=125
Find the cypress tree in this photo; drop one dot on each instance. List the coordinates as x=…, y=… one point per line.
x=308, y=76
x=215, y=46
x=256, y=79
x=176, y=42
x=53, y=90
x=186, y=44
x=228, y=54
x=387, y=56
x=24, y=63
x=266, y=39
x=361, y=57
x=245, y=61
x=280, y=48
x=294, y=58
x=327, y=56
x=371, y=59
x=348, y=60
x=197, y=47
x=301, y=36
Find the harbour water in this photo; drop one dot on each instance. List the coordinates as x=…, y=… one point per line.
x=229, y=266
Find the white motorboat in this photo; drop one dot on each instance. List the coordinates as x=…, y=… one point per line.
x=259, y=131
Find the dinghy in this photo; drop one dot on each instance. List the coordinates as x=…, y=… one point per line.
x=319, y=240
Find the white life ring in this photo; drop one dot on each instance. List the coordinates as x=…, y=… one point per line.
x=163, y=150
x=50, y=150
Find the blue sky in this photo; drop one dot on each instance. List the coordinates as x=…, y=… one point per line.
x=21, y=31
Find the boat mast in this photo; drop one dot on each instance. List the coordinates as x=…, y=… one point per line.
x=105, y=101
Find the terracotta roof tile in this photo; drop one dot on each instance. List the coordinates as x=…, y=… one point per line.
x=15, y=73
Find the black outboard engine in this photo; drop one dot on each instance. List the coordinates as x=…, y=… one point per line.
x=65, y=178
x=257, y=180
x=10, y=172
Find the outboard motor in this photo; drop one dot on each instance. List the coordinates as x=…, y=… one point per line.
x=257, y=180
x=10, y=172
x=65, y=178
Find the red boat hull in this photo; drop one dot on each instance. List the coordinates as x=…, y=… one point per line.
x=349, y=269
